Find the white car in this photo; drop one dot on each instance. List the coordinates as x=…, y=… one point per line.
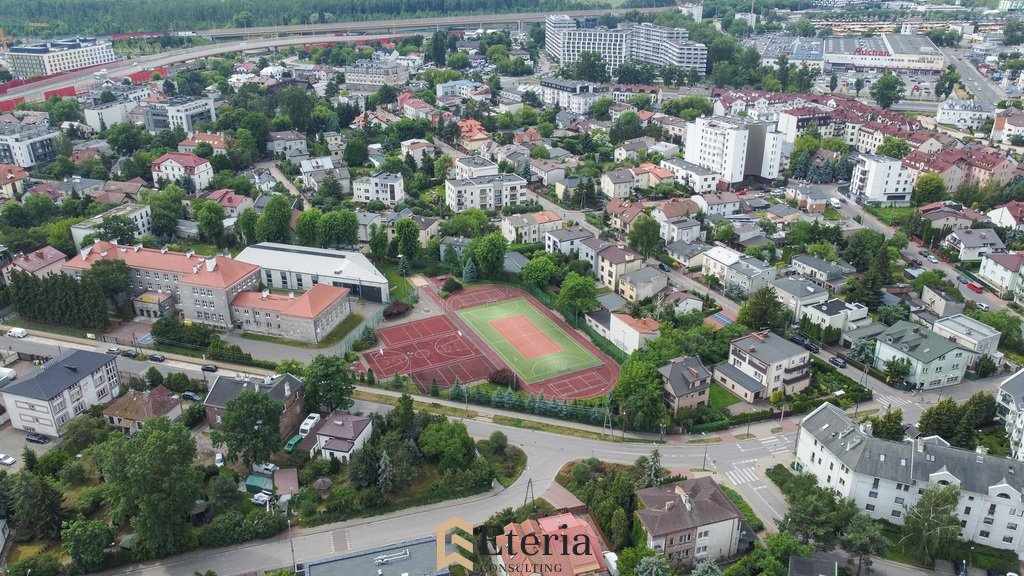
x=261, y=499
x=218, y=459
x=6, y=460
x=933, y=259
x=982, y=306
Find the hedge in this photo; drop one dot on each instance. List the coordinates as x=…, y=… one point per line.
x=756, y=416
x=755, y=523
x=711, y=426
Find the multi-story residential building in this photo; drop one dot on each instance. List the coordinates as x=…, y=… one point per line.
x=881, y=180
x=554, y=26
x=762, y=363
x=795, y=121
x=129, y=413
x=641, y=284
x=530, y=227
x=308, y=317
x=617, y=183
x=387, y=187
x=940, y=302
x=629, y=149
x=837, y=314
x=665, y=46
x=485, y=192
x=133, y=93
x=965, y=115
x=1002, y=273
x=691, y=521
x=718, y=203
x=175, y=166
x=1009, y=215
x=614, y=261
x=418, y=149
x=831, y=275
x=688, y=254
x=139, y=214
x=202, y=288
x=974, y=244
x=284, y=388
x=796, y=292
x=565, y=240
x=934, y=360
x=613, y=44
x=46, y=58
x=748, y=275
x=885, y=478
x=289, y=143
x=27, y=145
x=966, y=332
x=12, y=181
x=287, y=267
x=184, y=112
x=1010, y=408
x=63, y=388
x=233, y=204
x=43, y=262
x=673, y=217
x=458, y=88
x=687, y=383
x=369, y=74
x=734, y=147
x=625, y=332
x=571, y=95
x=216, y=142
x=100, y=116
x=623, y=213
x=717, y=261
x=644, y=42
x=473, y=167
x=699, y=179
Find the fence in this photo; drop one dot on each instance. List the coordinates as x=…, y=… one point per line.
x=371, y=321
x=602, y=343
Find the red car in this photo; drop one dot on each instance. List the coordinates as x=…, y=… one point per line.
x=975, y=287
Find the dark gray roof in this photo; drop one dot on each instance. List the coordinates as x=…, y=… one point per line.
x=798, y=286
x=831, y=307
x=687, y=250
x=812, y=567
x=421, y=560
x=226, y=388
x=979, y=237
x=782, y=210
x=620, y=176
x=917, y=342
x=680, y=373
x=456, y=241
x=59, y=374
x=768, y=347
x=645, y=274
x=564, y=234
x=750, y=266
x=689, y=504
x=870, y=332
x=1014, y=386
x=738, y=376
x=611, y=301
x=601, y=316
x=514, y=262
x=757, y=204
x=833, y=270
x=907, y=462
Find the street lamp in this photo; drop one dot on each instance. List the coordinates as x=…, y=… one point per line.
x=704, y=464
x=623, y=425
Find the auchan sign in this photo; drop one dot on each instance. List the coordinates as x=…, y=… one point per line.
x=863, y=52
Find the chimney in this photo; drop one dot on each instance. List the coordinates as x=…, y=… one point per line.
x=265, y=293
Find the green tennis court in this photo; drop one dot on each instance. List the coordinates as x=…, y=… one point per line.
x=530, y=342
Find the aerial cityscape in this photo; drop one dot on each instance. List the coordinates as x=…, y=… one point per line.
x=639, y=288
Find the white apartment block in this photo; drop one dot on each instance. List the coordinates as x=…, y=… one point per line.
x=485, y=192
x=835, y=313
x=966, y=115
x=761, y=363
x=139, y=214
x=612, y=43
x=63, y=388
x=1002, y=272
x=387, y=187
x=1010, y=407
x=529, y=228
x=881, y=180
x=48, y=58
x=734, y=147
x=885, y=478
x=186, y=112
x=27, y=145
x=173, y=166
x=934, y=360
x=644, y=42
x=571, y=95
x=369, y=74
x=978, y=337
x=717, y=261
x=473, y=167
x=699, y=179
x=554, y=26
x=102, y=116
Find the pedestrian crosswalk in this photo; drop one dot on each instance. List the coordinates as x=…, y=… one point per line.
x=893, y=401
x=742, y=475
x=775, y=444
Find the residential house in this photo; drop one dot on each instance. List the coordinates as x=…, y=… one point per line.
x=117, y=193
x=629, y=149
x=623, y=213
x=418, y=149
x=387, y=187
x=284, y=388
x=763, y=363
x=565, y=240
x=688, y=254
x=718, y=204
x=1002, y=273
x=971, y=245
x=941, y=303
x=459, y=245
x=625, y=332
x=139, y=214
x=717, y=261
x=428, y=227
x=812, y=199
x=41, y=263
x=472, y=134
x=547, y=171
x=61, y=389
x=529, y=227
x=216, y=142
x=677, y=210
x=617, y=183
x=748, y=275
x=935, y=361
x=978, y=337
x=642, y=284
x=367, y=220
x=1010, y=408
x=176, y=166
x=473, y=167
x=682, y=302
x=589, y=249
x=831, y=275
x=696, y=177
x=558, y=559
x=309, y=317
x=837, y=314
x=566, y=187
x=885, y=478
x=1009, y=215
x=130, y=412
x=691, y=521
x=233, y=204
x=614, y=261
x=485, y=192
x=797, y=292
x=12, y=181
x=339, y=435
x=687, y=383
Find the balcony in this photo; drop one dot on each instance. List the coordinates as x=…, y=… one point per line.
x=792, y=369
x=797, y=378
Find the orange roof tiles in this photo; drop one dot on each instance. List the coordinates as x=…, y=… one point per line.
x=12, y=173
x=38, y=259
x=308, y=305
x=641, y=325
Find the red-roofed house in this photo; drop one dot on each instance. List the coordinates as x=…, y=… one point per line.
x=12, y=180
x=130, y=412
x=233, y=203
x=1009, y=215
x=117, y=193
x=630, y=334
x=203, y=287
x=623, y=213
x=216, y=141
x=308, y=317
x=472, y=134
x=43, y=262
x=1002, y=272
x=338, y=435
x=648, y=175
x=563, y=532
x=529, y=135
x=174, y=166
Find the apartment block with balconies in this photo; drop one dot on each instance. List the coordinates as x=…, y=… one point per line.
x=761, y=363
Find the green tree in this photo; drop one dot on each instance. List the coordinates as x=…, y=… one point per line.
x=930, y=187
x=272, y=225
x=356, y=152
x=306, y=227
x=862, y=539
x=818, y=516
x=858, y=85
x=250, y=428
x=630, y=558
x=438, y=47
x=349, y=228
x=893, y=313
x=577, y=294
x=600, y=108
x=762, y=310
x=407, y=233
x=590, y=67
x=893, y=147
x=888, y=426
x=118, y=228
x=897, y=369
x=887, y=90
x=489, y=254
x=539, y=271
x=246, y=225
x=947, y=81
x=449, y=444
x=378, y=242
x=154, y=377
x=940, y=420
x=441, y=165
x=932, y=526
x=656, y=565
x=113, y=277
x=451, y=258
x=618, y=531
x=211, y=223
x=38, y=505
x=85, y=542
x=469, y=271
x=724, y=233
x=329, y=383
x=644, y=236
x=833, y=82
x=706, y=567
x=329, y=229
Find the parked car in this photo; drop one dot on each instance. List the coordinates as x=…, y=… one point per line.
x=37, y=439
x=916, y=262
x=157, y=358
x=130, y=354
x=975, y=287
x=982, y=306
x=6, y=460
x=261, y=499
x=218, y=459
x=837, y=361
x=265, y=468
x=812, y=347
x=292, y=443
x=961, y=280
x=17, y=333
x=191, y=396
x=797, y=339
x=933, y=259
x=923, y=253
x=115, y=351
x=209, y=368
x=664, y=267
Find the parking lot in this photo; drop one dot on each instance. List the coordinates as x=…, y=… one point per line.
x=12, y=443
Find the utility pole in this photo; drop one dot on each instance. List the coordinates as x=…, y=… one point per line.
x=704, y=464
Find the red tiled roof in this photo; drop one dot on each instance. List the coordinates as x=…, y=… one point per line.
x=12, y=173
x=643, y=326
x=187, y=160
x=214, y=140
x=308, y=305
x=38, y=259
x=567, y=528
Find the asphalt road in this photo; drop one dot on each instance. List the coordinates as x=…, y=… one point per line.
x=975, y=81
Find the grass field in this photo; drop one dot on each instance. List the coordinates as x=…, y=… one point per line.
x=570, y=358
x=719, y=397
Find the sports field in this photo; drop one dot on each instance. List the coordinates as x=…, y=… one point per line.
x=527, y=340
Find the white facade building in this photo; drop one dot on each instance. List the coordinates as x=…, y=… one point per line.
x=473, y=167
x=185, y=112
x=384, y=186
x=48, y=58
x=978, y=337
x=966, y=115
x=934, y=360
x=881, y=180
x=139, y=214
x=27, y=145
x=643, y=42
x=485, y=192
x=700, y=179
x=835, y=313
x=734, y=147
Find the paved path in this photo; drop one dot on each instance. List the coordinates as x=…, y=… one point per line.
x=280, y=177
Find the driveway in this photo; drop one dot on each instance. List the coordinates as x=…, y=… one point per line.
x=280, y=177
x=12, y=442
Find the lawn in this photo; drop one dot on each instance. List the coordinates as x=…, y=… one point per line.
x=399, y=285
x=568, y=356
x=832, y=214
x=341, y=331
x=890, y=214
x=31, y=325
x=719, y=397
x=507, y=466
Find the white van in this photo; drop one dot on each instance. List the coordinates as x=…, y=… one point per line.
x=8, y=373
x=308, y=424
x=17, y=333
x=835, y=203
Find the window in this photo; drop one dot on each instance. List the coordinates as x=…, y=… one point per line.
x=988, y=521
x=896, y=513
x=685, y=538
x=703, y=535
x=102, y=392
x=58, y=405
x=79, y=408
x=872, y=494
x=1008, y=539
x=1011, y=526
x=983, y=534
x=870, y=507
x=899, y=501
x=701, y=550
x=967, y=510
x=874, y=485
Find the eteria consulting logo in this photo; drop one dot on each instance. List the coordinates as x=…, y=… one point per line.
x=514, y=546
